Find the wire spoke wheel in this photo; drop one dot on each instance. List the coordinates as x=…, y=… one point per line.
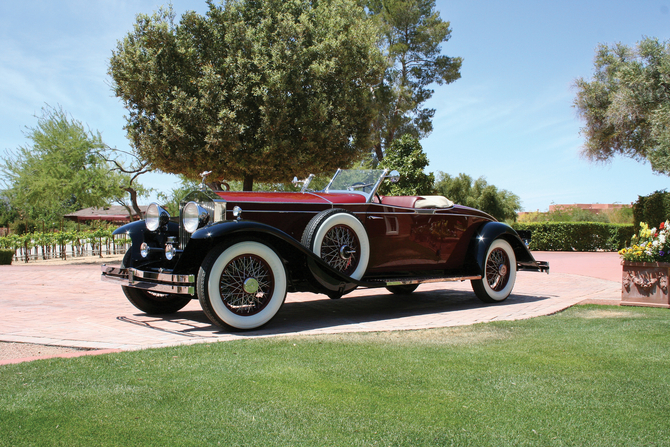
x=499, y=273
x=242, y=285
x=497, y=269
x=338, y=237
x=341, y=249
x=247, y=284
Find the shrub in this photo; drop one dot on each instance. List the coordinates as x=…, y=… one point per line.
x=6, y=256
x=577, y=236
x=652, y=209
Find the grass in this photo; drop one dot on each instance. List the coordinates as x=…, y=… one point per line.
x=591, y=375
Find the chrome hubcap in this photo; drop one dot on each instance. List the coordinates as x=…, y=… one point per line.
x=251, y=285
x=346, y=252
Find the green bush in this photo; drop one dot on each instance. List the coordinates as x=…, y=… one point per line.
x=577, y=236
x=6, y=257
x=652, y=209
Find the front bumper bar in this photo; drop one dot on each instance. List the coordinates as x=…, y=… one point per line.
x=150, y=281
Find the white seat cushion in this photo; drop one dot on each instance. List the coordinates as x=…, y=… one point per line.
x=433, y=202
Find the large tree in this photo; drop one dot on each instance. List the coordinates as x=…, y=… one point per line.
x=413, y=33
x=501, y=204
x=626, y=105
x=255, y=89
x=61, y=171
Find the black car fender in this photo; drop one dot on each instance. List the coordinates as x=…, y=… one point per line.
x=484, y=237
x=302, y=264
x=138, y=233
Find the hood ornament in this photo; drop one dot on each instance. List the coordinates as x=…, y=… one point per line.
x=204, y=175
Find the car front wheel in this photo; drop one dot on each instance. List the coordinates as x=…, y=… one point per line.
x=499, y=273
x=242, y=286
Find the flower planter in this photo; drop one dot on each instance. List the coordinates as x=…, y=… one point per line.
x=645, y=284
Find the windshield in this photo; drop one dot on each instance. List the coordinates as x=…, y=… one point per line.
x=364, y=181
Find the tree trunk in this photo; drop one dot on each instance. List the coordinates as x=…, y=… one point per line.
x=379, y=152
x=133, y=201
x=248, y=183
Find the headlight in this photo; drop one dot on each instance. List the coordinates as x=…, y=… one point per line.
x=195, y=217
x=156, y=217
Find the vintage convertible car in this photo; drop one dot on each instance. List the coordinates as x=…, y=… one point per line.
x=240, y=253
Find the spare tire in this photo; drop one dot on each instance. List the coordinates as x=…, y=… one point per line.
x=339, y=238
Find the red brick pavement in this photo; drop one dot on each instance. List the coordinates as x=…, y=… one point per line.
x=68, y=305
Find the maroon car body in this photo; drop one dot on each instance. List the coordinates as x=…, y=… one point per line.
x=239, y=253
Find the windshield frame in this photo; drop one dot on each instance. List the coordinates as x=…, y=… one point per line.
x=365, y=182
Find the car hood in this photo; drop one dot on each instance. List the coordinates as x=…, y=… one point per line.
x=291, y=197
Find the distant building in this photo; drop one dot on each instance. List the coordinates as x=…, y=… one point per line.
x=114, y=214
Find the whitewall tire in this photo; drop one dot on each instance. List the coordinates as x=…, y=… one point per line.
x=243, y=285
x=339, y=238
x=499, y=273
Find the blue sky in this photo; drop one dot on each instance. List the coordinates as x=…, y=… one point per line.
x=509, y=118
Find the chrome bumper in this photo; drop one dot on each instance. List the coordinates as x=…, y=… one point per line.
x=150, y=281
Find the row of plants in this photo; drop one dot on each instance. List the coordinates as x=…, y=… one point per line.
x=55, y=244
x=577, y=236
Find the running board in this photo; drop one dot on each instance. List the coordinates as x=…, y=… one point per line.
x=387, y=282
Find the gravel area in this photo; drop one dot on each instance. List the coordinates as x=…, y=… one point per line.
x=11, y=351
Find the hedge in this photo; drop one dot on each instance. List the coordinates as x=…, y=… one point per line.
x=6, y=257
x=577, y=236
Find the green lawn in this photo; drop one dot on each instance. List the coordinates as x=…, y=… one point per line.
x=591, y=375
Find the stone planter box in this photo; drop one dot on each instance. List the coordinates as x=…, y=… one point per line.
x=645, y=284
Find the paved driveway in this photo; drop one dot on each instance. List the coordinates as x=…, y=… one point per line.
x=68, y=305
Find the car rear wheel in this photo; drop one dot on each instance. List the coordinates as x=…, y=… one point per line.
x=151, y=302
x=499, y=273
x=242, y=286
x=339, y=238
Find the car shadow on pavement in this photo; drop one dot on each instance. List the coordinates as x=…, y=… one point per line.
x=377, y=312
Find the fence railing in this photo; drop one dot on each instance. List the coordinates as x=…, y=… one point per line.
x=64, y=245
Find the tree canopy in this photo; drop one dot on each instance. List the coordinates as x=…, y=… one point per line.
x=626, y=105
x=501, y=204
x=413, y=33
x=255, y=89
x=61, y=171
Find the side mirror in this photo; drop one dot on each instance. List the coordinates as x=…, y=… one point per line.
x=393, y=176
x=305, y=183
